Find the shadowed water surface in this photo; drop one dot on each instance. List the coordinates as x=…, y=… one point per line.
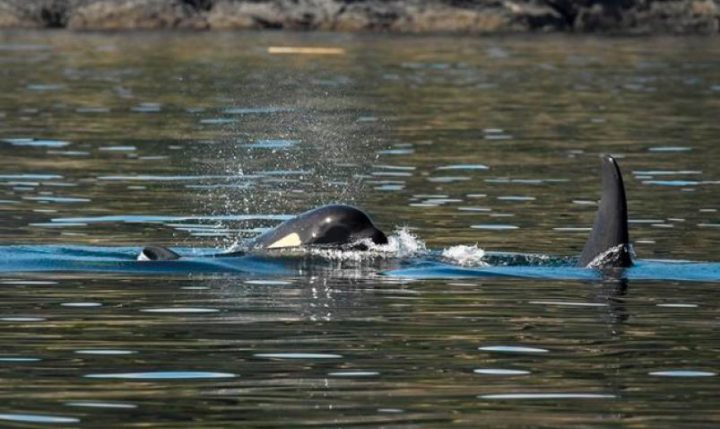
x=198, y=141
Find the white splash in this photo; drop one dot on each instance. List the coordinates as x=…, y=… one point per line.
x=334, y=254
x=465, y=255
x=609, y=257
x=401, y=244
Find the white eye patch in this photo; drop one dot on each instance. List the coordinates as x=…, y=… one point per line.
x=290, y=240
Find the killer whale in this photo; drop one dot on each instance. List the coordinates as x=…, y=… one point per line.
x=346, y=227
x=338, y=226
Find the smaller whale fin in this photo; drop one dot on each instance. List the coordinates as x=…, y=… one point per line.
x=157, y=253
x=609, y=244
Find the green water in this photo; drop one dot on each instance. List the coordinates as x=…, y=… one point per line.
x=127, y=139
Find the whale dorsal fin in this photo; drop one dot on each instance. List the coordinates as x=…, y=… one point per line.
x=609, y=245
x=157, y=253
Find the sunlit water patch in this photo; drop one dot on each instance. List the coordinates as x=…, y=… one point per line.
x=18, y=359
x=495, y=226
x=105, y=352
x=37, y=418
x=164, y=375
x=22, y=319
x=670, y=149
x=97, y=404
x=500, y=371
x=28, y=142
x=273, y=144
x=354, y=374
x=147, y=107
x=181, y=310
x=480, y=167
x=512, y=349
x=255, y=110
x=218, y=121
x=548, y=396
x=298, y=355
x=684, y=373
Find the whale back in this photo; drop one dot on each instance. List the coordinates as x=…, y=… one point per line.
x=608, y=244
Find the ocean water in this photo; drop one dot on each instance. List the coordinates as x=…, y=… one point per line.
x=479, y=156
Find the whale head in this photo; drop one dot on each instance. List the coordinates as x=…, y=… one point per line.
x=332, y=226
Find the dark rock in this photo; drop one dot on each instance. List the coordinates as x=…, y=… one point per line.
x=103, y=14
x=136, y=14
x=470, y=16
x=640, y=16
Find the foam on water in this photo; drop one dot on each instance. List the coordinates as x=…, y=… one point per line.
x=401, y=244
x=465, y=255
x=608, y=257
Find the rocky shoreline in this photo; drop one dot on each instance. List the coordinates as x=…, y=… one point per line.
x=410, y=16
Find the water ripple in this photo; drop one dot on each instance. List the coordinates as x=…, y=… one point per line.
x=95, y=404
x=37, y=418
x=500, y=371
x=180, y=310
x=19, y=359
x=512, y=349
x=105, y=352
x=548, y=396
x=353, y=373
x=496, y=227
x=164, y=375
x=36, y=143
x=298, y=355
x=683, y=373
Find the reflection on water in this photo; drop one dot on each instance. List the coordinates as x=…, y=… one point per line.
x=201, y=140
